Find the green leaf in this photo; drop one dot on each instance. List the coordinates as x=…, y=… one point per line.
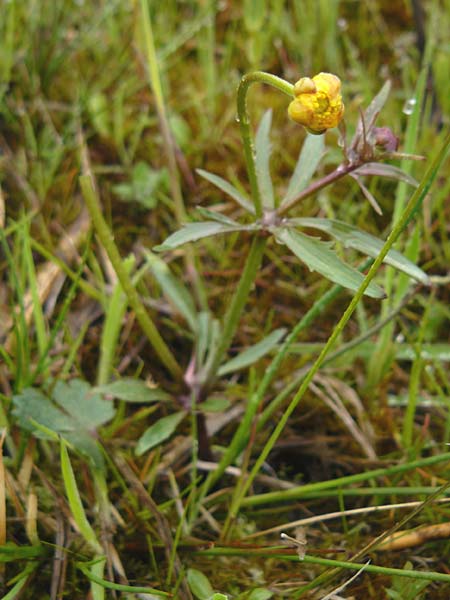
x=386, y=171
x=158, y=432
x=318, y=257
x=228, y=188
x=310, y=156
x=74, y=412
x=215, y=405
x=199, y=584
x=173, y=289
x=75, y=503
x=263, y=149
x=252, y=354
x=216, y=216
x=195, y=231
x=132, y=390
x=352, y=237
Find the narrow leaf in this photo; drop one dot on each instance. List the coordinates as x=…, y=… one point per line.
x=229, y=189
x=263, y=149
x=158, y=432
x=195, y=231
x=212, y=215
x=352, y=237
x=310, y=156
x=368, y=195
x=132, y=390
x=318, y=257
x=173, y=289
x=252, y=354
x=373, y=110
x=386, y=171
x=74, y=499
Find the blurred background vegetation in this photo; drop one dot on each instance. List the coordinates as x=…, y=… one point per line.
x=77, y=94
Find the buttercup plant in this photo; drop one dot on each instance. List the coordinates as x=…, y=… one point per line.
x=317, y=105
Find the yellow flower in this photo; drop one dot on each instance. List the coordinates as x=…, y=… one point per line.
x=318, y=103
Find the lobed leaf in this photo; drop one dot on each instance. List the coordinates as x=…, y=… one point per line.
x=74, y=412
x=319, y=257
x=352, y=237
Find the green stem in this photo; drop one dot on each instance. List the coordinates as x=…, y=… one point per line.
x=107, y=240
x=234, y=312
x=278, y=553
x=244, y=123
x=254, y=258
x=414, y=201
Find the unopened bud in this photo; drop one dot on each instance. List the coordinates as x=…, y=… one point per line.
x=318, y=103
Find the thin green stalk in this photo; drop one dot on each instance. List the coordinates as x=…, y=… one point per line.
x=254, y=258
x=107, y=240
x=331, y=573
x=414, y=382
x=415, y=200
x=287, y=390
x=310, y=489
x=244, y=123
x=308, y=559
x=109, y=585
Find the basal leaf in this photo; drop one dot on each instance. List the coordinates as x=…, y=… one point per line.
x=158, y=432
x=195, y=231
x=199, y=585
x=263, y=149
x=352, y=237
x=319, y=257
x=173, y=289
x=229, y=189
x=87, y=409
x=73, y=412
x=310, y=156
x=129, y=389
x=252, y=354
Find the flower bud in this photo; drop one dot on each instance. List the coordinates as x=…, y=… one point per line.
x=318, y=103
x=385, y=139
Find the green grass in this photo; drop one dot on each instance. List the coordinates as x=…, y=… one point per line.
x=166, y=414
